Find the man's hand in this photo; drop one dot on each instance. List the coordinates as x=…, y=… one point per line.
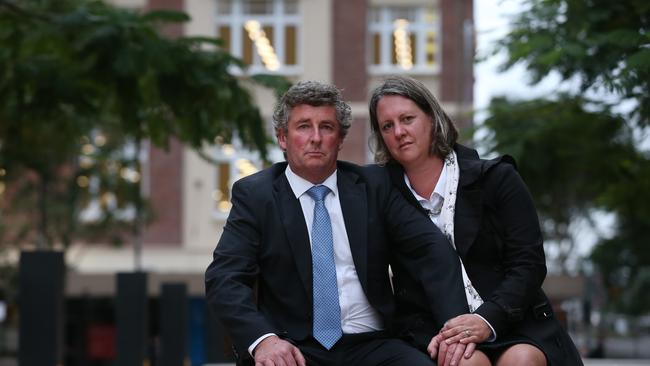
x=434, y=345
x=466, y=328
x=449, y=354
x=273, y=351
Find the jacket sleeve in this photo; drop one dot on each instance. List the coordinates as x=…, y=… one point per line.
x=230, y=278
x=425, y=252
x=520, y=239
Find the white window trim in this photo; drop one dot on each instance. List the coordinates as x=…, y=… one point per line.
x=385, y=29
x=278, y=20
x=218, y=154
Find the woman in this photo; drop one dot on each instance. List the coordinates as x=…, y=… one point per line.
x=486, y=211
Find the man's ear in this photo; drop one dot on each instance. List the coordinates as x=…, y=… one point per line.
x=282, y=139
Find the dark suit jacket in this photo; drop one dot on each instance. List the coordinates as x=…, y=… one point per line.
x=498, y=237
x=265, y=240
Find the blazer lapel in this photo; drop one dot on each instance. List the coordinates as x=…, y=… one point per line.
x=467, y=219
x=295, y=228
x=354, y=206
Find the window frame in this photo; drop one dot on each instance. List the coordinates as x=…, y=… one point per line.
x=229, y=154
x=278, y=19
x=385, y=28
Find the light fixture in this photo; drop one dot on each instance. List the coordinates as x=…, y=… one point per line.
x=403, y=51
x=83, y=181
x=130, y=175
x=262, y=44
x=100, y=140
x=228, y=149
x=224, y=206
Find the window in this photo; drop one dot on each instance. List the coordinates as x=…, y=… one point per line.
x=403, y=39
x=263, y=33
x=234, y=163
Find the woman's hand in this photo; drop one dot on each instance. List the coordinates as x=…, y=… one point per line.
x=464, y=329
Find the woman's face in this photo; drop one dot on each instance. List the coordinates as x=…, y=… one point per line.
x=405, y=129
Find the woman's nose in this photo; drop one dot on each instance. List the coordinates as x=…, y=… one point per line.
x=399, y=130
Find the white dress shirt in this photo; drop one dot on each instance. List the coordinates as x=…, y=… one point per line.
x=357, y=315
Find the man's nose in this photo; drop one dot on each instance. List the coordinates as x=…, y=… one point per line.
x=316, y=135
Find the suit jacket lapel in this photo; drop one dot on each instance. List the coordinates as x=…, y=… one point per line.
x=396, y=173
x=355, y=210
x=295, y=228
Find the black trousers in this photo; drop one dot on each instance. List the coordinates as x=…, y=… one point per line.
x=364, y=349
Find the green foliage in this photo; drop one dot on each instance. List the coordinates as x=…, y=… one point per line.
x=553, y=142
x=578, y=155
x=601, y=42
x=624, y=259
x=73, y=69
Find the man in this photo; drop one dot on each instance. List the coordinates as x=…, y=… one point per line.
x=315, y=236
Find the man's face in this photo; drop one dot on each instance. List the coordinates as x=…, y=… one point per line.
x=312, y=141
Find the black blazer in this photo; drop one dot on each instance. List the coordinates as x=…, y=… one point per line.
x=497, y=235
x=265, y=241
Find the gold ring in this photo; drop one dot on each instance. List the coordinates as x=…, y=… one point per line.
x=468, y=333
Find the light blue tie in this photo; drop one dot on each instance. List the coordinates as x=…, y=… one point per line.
x=327, y=311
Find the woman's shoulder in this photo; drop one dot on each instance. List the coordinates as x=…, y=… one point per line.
x=479, y=168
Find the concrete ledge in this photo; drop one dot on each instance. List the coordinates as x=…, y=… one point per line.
x=616, y=362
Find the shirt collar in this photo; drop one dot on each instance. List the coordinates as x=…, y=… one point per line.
x=300, y=185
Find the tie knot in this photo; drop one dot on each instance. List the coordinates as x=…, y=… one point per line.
x=318, y=193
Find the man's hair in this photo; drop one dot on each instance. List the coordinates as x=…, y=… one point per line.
x=443, y=132
x=315, y=94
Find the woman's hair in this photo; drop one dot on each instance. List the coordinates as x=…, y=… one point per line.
x=315, y=94
x=443, y=132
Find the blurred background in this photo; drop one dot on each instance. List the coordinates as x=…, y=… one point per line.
x=123, y=125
